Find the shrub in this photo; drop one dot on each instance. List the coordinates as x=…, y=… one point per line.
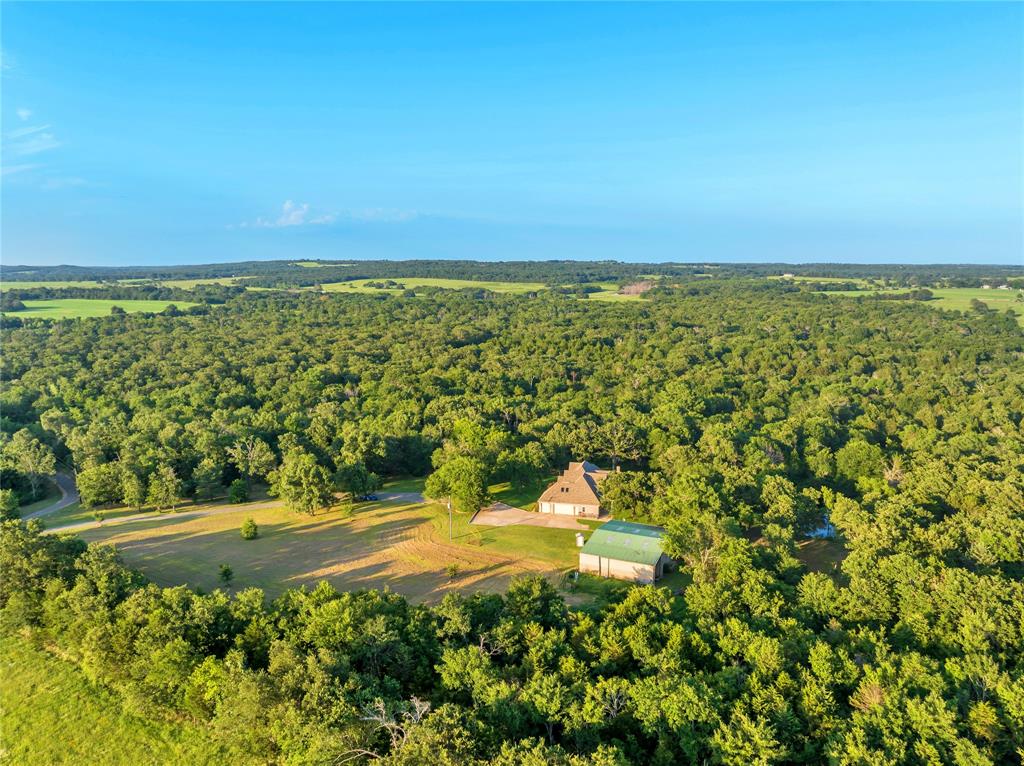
x=249, y=530
x=226, y=574
x=9, y=504
x=238, y=492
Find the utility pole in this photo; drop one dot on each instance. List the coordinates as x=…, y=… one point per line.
x=449, y=519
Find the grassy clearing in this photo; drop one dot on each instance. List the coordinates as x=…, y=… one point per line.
x=310, y=264
x=51, y=714
x=399, y=545
x=821, y=555
x=824, y=280
x=185, y=284
x=188, y=284
x=610, y=292
x=70, y=308
x=957, y=298
x=411, y=283
x=76, y=514
x=405, y=484
x=525, y=497
x=613, y=296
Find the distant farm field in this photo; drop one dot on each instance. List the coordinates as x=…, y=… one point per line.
x=609, y=291
x=614, y=296
x=69, y=308
x=51, y=714
x=957, y=298
x=12, y=285
x=188, y=284
x=359, y=285
x=401, y=545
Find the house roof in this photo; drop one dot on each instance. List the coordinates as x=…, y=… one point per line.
x=626, y=541
x=577, y=485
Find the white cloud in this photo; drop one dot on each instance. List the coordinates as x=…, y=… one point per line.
x=68, y=182
x=22, y=132
x=31, y=140
x=292, y=214
x=381, y=215
x=300, y=214
x=10, y=170
x=22, y=148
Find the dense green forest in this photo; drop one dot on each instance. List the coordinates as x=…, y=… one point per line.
x=743, y=416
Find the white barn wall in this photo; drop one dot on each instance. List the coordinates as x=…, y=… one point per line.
x=620, y=570
x=590, y=563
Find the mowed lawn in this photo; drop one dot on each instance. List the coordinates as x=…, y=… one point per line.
x=70, y=308
x=51, y=714
x=403, y=546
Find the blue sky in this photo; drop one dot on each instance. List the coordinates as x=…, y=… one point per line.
x=185, y=133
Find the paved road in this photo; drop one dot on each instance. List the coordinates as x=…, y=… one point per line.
x=401, y=497
x=68, y=495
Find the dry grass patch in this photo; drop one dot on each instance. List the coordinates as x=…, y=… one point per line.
x=400, y=546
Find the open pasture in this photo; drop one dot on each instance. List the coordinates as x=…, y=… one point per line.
x=71, y=308
x=403, y=546
x=957, y=298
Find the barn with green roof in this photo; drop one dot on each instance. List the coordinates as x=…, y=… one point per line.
x=627, y=551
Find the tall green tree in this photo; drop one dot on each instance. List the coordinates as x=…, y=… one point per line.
x=30, y=457
x=253, y=458
x=462, y=480
x=164, y=488
x=302, y=482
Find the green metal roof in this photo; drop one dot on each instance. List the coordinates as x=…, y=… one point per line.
x=626, y=541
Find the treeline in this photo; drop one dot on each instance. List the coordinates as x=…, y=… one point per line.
x=743, y=417
x=212, y=293
x=287, y=274
x=365, y=385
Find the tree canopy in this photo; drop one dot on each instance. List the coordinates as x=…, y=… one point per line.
x=743, y=416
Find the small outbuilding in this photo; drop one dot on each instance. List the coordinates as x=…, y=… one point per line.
x=626, y=551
